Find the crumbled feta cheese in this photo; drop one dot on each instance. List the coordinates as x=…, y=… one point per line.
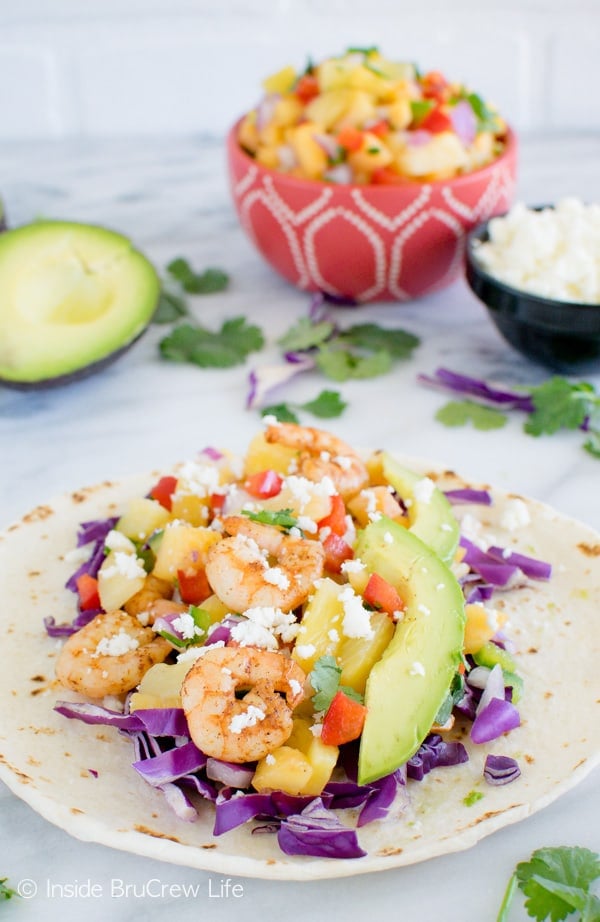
x=77, y=555
x=117, y=541
x=357, y=619
x=417, y=668
x=316, y=729
x=552, y=252
x=307, y=525
x=246, y=719
x=270, y=759
x=343, y=461
x=388, y=537
x=116, y=645
x=276, y=577
x=195, y=652
x=270, y=420
x=186, y=626
x=423, y=609
x=126, y=565
x=262, y=626
x=197, y=479
x=248, y=634
x=423, y=490
x=333, y=635
x=516, y=515
x=325, y=456
x=353, y=566
x=440, y=586
x=295, y=687
x=305, y=650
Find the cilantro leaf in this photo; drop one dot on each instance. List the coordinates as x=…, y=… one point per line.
x=372, y=337
x=6, y=892
x=170, y=308
x=460, y=412
x=554, y=877
x=341, y=365
x=455, y=693
x=487, y=119
x=558, y=404
x=325, y=679
x=230, y=346
x=281, y=411
x=305, y=335
x=283, y=518
x=207, y=282
x=326, y=405
x=592, y=443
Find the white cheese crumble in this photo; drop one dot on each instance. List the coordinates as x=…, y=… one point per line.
x=423, y=490
x=246, y=719
x=357, y=619
x=423, y=609
x=187, y=627
x=353, y=566
x=343, y=461
x=276, y=577
x=388, y=538
x=333, y=635
x=116, y=645
x=125, y=565
x=263, y=625
x=117, y=541
x=417, y=668
x=193, y=653
x=309, y=526
x=305, y=650
x=295, y=687
x=196, y=479
x=77, y=555
x=554, y=252
x=270, y=759
x=516, y=515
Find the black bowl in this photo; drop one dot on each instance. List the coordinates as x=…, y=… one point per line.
x=561, y=335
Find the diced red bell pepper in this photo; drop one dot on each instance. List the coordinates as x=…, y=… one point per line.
x=336, y=552
x=343, y=721
x=163, y=491
x=194, y=587
x=307, y=88
x=437, y=121
x=382, y=595
x=264, y=484
x=217, y=502
x=336, y=518
x=434, y=85
x=350, y=138
x=87, y=589
x=380, y=128
x=386, y=176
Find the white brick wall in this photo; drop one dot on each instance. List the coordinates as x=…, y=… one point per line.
x=180, y=67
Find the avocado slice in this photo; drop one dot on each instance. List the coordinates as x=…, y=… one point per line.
x=429, y=513
x=72, y=298
x=407, y=686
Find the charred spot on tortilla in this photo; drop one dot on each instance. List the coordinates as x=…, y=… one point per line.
x=590, y=550
x=38, y=514
x=145, y=830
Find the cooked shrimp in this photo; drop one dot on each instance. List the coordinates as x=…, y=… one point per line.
x=153, y=589
x=258, y=565
x=322, y=455
x=245, y=729
x=110, y=655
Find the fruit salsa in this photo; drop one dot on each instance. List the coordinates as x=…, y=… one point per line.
x=362, y=118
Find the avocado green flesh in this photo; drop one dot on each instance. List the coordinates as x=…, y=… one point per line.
x=406, y=688
x=70, y=296
x=431, y=517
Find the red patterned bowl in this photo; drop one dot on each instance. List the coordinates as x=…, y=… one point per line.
x=370, y=242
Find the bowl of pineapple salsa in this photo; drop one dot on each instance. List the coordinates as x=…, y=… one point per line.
x=361, y=176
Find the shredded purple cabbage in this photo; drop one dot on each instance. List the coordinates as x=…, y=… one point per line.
x=495, y=572
x=481, y=592
x=468, y=495
x=475, y=387
x=264, y=382
x=500, y=769
x=155, y=721
x=171, y=765
x=433, y=753
x=95, y=530
x=498, y=717
x=317, y=832
x=530, y=566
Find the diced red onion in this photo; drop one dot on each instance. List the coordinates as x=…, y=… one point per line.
x=500, y=769
x=318, y=832
x=464, y=121
x=179, y=803
x=493, y=688
x=266, y=109
x=467, y=495
x=328, y=144
x=418, y=138
x=213, y=454
x=494, y=571
x=482, y=592
x=340, y=175
x=475, y=387
x=478, y=676
x=230, y=773
x=497, y=718
x=287, y=157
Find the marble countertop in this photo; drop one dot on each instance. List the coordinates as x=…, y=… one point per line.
x=171, y=198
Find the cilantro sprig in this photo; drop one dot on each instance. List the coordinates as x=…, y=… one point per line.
x=281, y=518
x=326, y=405
x=224, y=348
x=6, y=892
x=182, y=279
x=202, y=621
x=325, y=679
x=556, y=404
x=556, y=882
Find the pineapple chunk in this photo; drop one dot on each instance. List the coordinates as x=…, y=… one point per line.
x=248, y=132
x=480, y=627
x=161, y=687
x=190, y=508
x=361, y=109
x=322, y=760
x=215, y=608
x=280, y=82
x=264, y=456
x=443, y=155
x=358, y=655
x=182, y=547
x=328, y=108
x=287, y=111
x=120, y=577
x=372, y=155
x=285, y=769
x=322, y=615
x=267, y=157
x=310, y=155
x=141, y=518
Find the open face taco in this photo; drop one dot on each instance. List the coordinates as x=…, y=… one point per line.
x=380, y=662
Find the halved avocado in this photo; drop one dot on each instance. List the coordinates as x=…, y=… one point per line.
x=406, y=688
x=72, y=298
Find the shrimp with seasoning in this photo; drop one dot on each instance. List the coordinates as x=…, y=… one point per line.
x=110, y=655
x=246, y=729
x=239, y=570
x=154, y=589
x=322, y=454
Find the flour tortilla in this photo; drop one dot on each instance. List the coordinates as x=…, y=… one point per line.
x=50, y=762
